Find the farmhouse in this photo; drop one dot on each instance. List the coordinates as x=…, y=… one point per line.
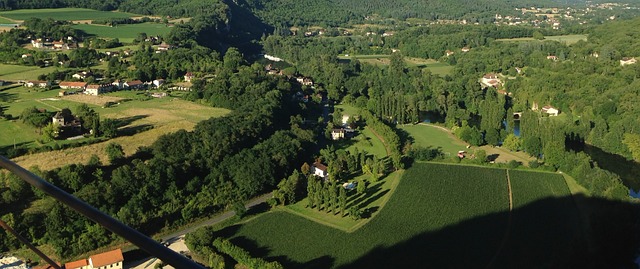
x=73, y=85
x=134, y=84
x=37, y=83
x=158, y=82
x=552, y=57
x=448, y=53
x=320, y=170
x=163, y=47
x=188, y=77
x=490, y=80
x=465, y=49
x=627, y=61
x=108, y=260
x=551, y=111
x=337, y=134
x=305, y=81
x=82, y=75
x=95, y=89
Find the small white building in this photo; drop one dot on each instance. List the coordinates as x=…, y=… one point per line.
x=627, y=61
x=320, y=170
x=551, y=111
x=111, y=260
x=37, y=83
x=158, y=82
x=337, y=134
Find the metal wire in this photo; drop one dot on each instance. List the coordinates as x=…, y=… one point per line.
x=142, y=241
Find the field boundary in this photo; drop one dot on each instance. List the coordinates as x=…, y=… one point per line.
x=507, y=232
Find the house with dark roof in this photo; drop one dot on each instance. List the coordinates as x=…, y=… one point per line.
x=320, y=170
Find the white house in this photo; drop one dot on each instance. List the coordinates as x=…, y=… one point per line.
x=627, y=61
x=158, y=82
x=337, y=134
x=188, y=77
x=95, y=89
x=37, y=83
x=320, y=170
x=490, y=80
x=550, y=110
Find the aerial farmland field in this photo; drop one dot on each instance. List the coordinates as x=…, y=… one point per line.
x=66, y=14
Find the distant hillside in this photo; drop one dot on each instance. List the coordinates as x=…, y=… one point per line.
x=332, y=12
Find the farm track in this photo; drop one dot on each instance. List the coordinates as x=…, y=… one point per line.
x=507, y=232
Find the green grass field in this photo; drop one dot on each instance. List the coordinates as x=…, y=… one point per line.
x=4, y=20
x=545, y=219
x=66, y=14
x=126, y=32
x=432, y=65
x=22, y=72
x=418, y=224
x=567, y=39
x=430, y=136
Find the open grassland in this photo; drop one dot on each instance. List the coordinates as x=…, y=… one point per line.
x=546, y=223
x=141, y=122
x=567, y=39
x=66, y=14
x=375, y=197
x=365, y=140
x=22, y=72
x=432, y=136
x=4, y=20
x=422, y=223
x=125, y=32
x=438, y=68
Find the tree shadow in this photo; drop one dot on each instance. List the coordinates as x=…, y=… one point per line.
x=132, y=130
x=548, y=233
x=121, y=122
x=493, y=157
x=628, y=170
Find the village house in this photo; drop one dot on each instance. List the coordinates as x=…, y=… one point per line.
x=320, y=170
x=305, y=81
x=73, y=85
x=107, y=260
x=552, y=57
x=37, y=84
x=337, y=134
x=627, y=61
x=490, y=80
x=448, y=53
x=134, y=84
x=163, y=47
x=465, y=49
x=96, y=89
x=118, y=84
x=551, y=111
x=82, y=75
x=60, y=45
x=158, y=82
x=188, y=77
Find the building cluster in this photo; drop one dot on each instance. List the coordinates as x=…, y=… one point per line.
x=107, y=260
x=49, y=43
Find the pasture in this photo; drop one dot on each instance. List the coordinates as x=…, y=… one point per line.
x=420, y=222
x=126, y=32
x=567, y=39
x=436, y=67
x=23, y=72
x=140, y=119
x=4, y=20
x=435, y=137
x=64, y=14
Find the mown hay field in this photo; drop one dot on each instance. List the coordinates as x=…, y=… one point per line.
x=125, y=32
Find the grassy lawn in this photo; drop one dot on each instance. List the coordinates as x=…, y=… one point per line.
x=126, y=32
x=67, y=14
x=135, y=113
x=567, y=39
x=434, y=66
x=376, y=196
x=364, y=141
x=4, y=20
x=424, y=219
x=22, y=72
x=430, y=136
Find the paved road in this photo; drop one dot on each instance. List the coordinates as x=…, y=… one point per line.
x=176, y=239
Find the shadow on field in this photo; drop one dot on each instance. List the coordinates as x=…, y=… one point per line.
x=628, y=170
x=543, y=234
x=548, y=233
x=121, y=122
x=132, y=130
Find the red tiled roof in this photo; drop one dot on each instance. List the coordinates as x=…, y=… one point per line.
x=106, y=258
x=134, y=82
x=76, y=264
x=93, y=86
x=490, y=76
x=73, y=84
